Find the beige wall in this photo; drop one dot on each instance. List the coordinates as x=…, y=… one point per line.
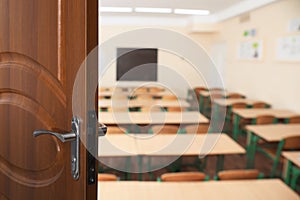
x=270, y=80
x=177, y=64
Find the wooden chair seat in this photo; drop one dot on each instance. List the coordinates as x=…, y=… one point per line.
x=183, y=177
x=294, y=120
x=165, y=129
x=107, y=177
x=265, y=119
x=199, y=129
x=259, y=105
x=115, y=130
x=175, y=109
x=235, y=96
x=238, y=174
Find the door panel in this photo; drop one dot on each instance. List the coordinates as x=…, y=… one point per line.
x=42, y=45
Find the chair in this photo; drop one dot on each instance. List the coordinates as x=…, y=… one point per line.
x=174, y=109
x=165, y=129
x=235, y=96
x=183, y=177
x=294, y=120
x=209, y=102
x=115, y=130
x=216, y=89
x=265, y=119
x=155, y=89
x=150, y=109
x=106, y=89
x=107, y=177
x=229, y=116
x=199, y=129
x=239, y=174
x=141, y=90
x=260, y=105
x=144, y=96
x=117, y=109
x=198, y=163
x=169, y=97
x=287, y=144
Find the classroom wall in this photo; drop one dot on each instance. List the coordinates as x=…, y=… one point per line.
x=268, y=79
x=170, y=64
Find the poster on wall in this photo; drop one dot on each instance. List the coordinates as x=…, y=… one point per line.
x=250, y=50
x=288, y=48
x=294, y=25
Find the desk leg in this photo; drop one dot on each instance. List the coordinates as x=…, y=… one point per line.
x=201, y=104
x=296, y=175
x=140, y=164
x=236, y=122
x=127, y=168
x=251, y=149
x=220, y=163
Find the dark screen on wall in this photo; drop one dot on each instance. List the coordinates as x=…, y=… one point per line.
x=136, y=64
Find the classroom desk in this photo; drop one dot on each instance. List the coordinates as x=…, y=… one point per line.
x=239, y=114
x=271, y=189
x=292, y=164
x=269, y=133
x=161, y=145
x=104, y=103
x=118, y=118
x=204, y=98
x=230, y=102
x=227, y=103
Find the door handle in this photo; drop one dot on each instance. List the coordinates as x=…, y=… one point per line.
x=102, y=129
x=74, y=138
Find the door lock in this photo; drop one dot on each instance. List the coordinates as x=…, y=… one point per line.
x=74, y=138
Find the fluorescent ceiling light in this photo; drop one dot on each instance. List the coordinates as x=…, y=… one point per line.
x=116, y=9
x=154, y=10
x=191, y=12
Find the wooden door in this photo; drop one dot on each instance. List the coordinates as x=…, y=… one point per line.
x=42, y=45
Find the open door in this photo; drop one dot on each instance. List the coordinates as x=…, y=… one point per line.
x=42, y=45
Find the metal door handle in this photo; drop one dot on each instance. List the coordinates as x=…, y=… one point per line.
x=67, y=137
x=102, y=129
x=74, y=138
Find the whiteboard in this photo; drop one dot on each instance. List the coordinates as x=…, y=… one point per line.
x=288, y=48
x=250, y=50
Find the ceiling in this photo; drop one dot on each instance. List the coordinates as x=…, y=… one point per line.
x=214, y=6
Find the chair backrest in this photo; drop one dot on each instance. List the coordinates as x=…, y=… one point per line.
x=238, y=174
x=175, y=109
x=165, y=129
x=144, y=96
x=183, y=177
x=235, y=96
x=141, y=90
x=239, y=105
x=265, y=119
x=150, y=109
x=215, y=89
x=292, y=143
x=117, y=109
x=216, y=95
x=259, y=105
x=294, y=120
x=200, y=129
x=115, y=130
x=155, y=89
x=169, y=97
x=107, y=177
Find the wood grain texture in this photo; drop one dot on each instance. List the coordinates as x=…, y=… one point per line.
x=42, y=45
